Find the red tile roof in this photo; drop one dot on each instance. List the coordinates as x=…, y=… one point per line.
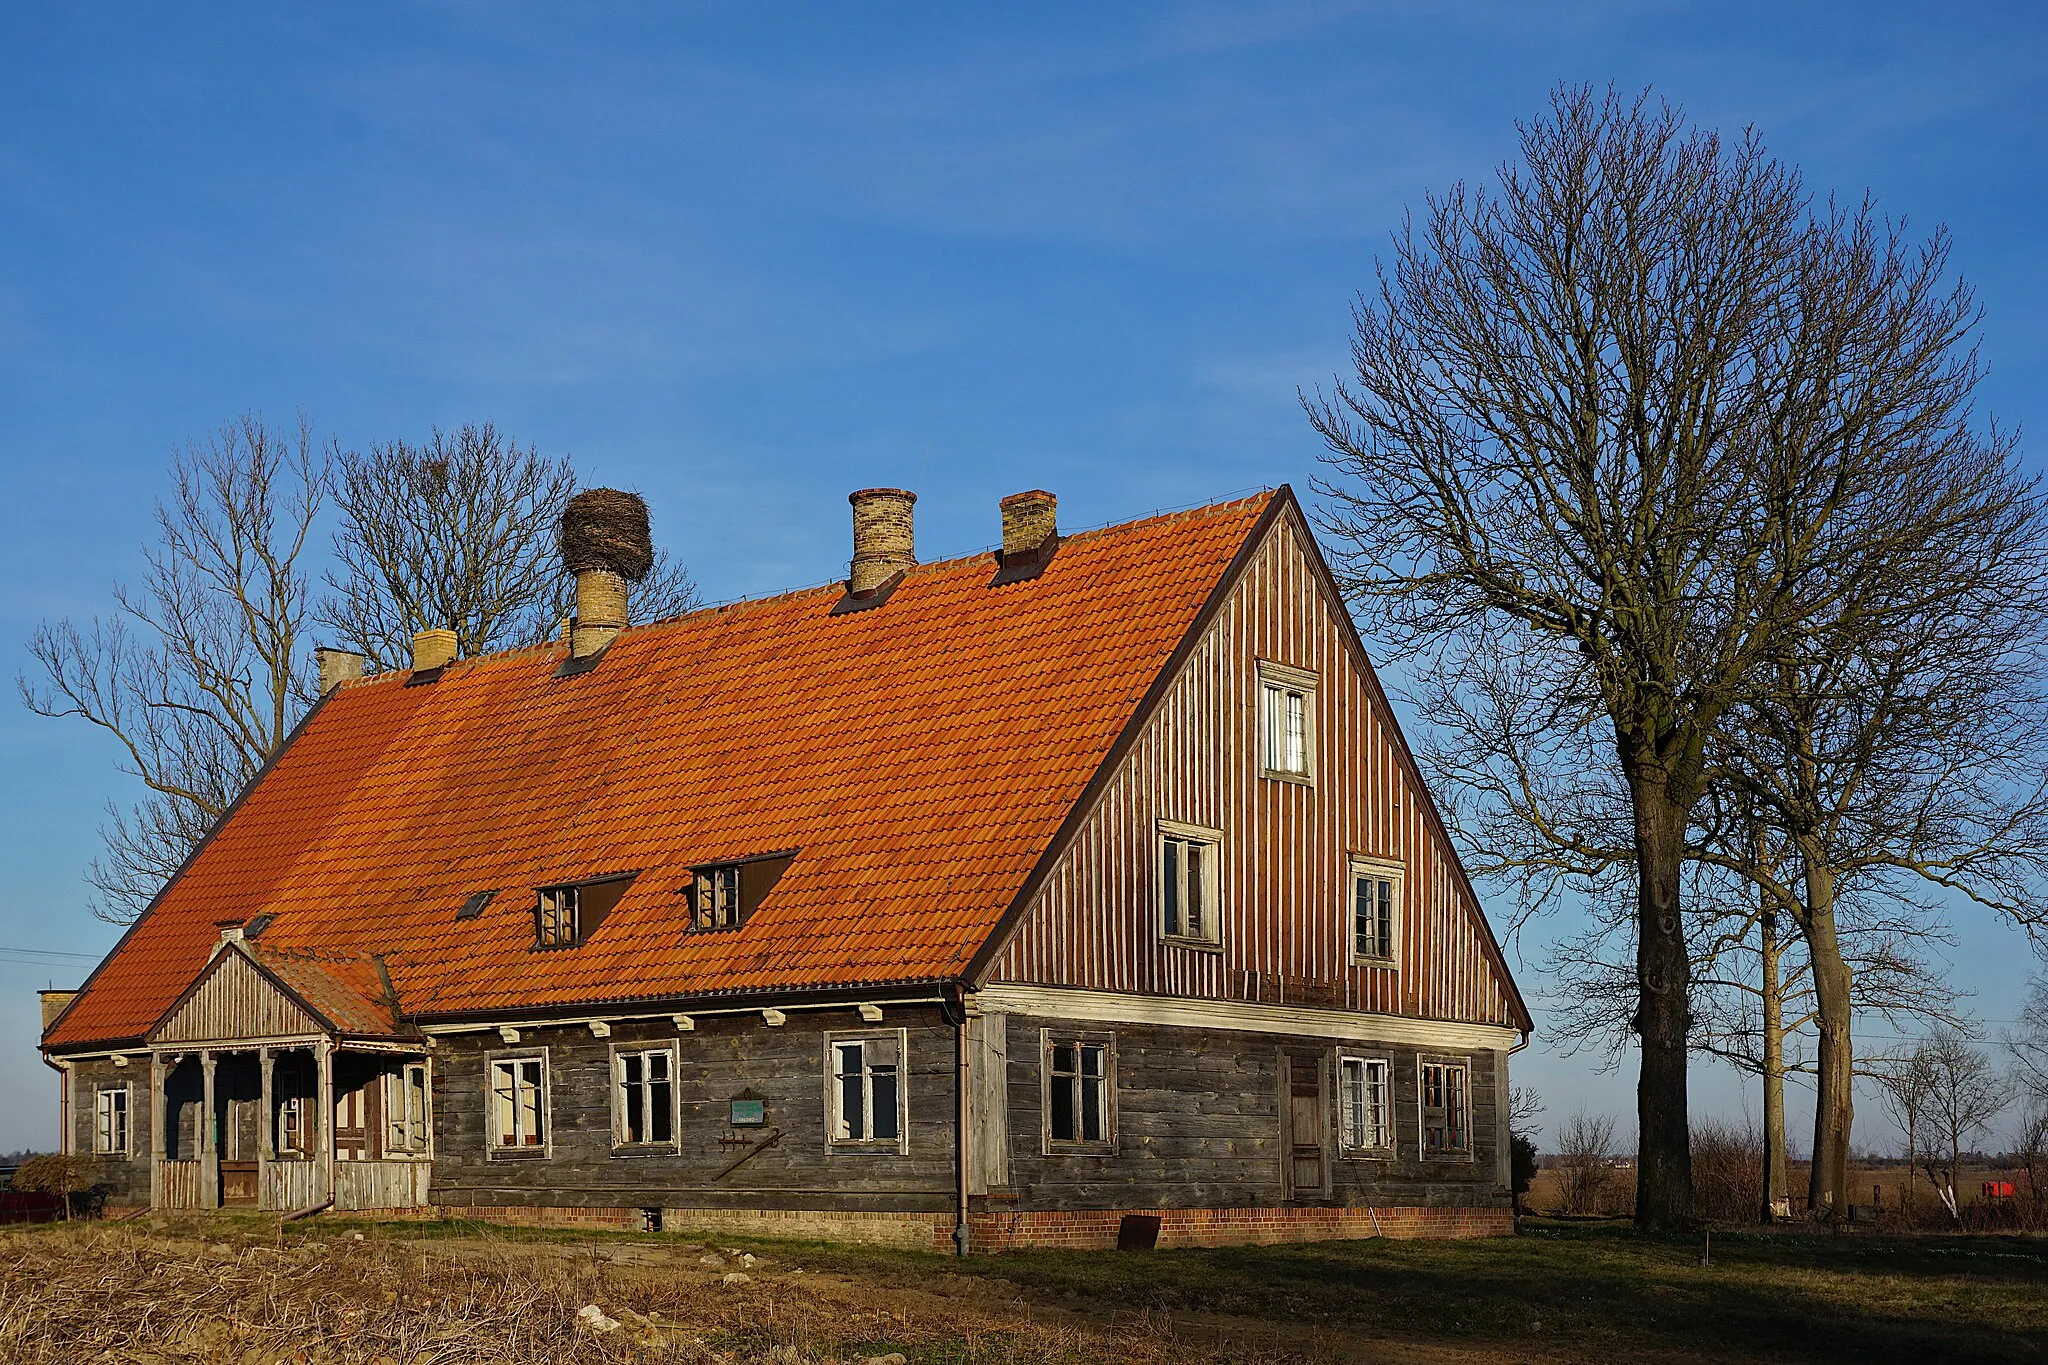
x=920, y=755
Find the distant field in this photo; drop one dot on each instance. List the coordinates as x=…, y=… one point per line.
x=1892, y=1190
x=244, y=1290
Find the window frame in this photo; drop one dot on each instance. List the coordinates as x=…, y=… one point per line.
x=1462, y=1065
x=1361, y=867
x=705, y=880
x=495, y=1148
x=397, y=1101
x=1050, y=1145
x=1283, y=680
x=833, y=1041
x=542, y=914
x=1209, y=938
x=1366, y=1062
x=100, y=1095
x=621, y=1144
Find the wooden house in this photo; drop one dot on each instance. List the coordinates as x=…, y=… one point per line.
x=1025, y=898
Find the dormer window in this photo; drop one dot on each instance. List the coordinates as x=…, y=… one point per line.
x=565, y=916
x=558, y=906
x=1287, y=711
x=715, y=898
x=723, y=895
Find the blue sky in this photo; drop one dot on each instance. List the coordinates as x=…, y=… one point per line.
x=746, y=258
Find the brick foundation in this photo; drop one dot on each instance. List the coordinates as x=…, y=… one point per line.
x=1078, y=1230
x=1096, y=1229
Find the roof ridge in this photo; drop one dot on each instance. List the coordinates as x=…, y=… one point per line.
x=554, y=645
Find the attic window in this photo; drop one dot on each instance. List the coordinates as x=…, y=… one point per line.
x=724, y=895
x=565, y=916
x=474, y=906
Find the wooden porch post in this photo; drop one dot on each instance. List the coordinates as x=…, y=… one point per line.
x=159, y=1077
x=326, y=1107
x=209, y=1138
x=266, y=1132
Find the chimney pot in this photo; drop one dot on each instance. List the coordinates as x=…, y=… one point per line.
x=1029, y=520
x=600, y=611
x=432, y=649
x=883, y=537
x=337, y=666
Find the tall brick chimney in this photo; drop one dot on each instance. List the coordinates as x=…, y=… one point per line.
x=883, y=541
x=607, y=543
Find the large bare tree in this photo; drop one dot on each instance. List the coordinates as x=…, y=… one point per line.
x=457, y=533
x=199, y=673
x=1638, y=412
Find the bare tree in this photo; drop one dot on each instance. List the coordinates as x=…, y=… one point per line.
x=1943, y=1096
x=1583, y=1153
x=2027, y=1041
x=457, y=534
x=1642, y=411
x=199, y=674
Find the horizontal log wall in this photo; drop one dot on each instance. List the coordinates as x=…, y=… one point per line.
x=726, y=1056
x=124, y=1180
x=1198, y=1125
x=1286, y=845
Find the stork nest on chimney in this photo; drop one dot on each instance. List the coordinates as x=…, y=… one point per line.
x=603, y=528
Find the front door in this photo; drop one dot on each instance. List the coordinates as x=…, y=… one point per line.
x=1305, y=1111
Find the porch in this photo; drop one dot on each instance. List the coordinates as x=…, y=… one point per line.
x=290, y=1127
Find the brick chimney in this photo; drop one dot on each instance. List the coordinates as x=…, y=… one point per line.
x=53, y=1005
x=1029, y=521
x=607, y=543
x=432, y=649
x=883, y=544
x=337, y=666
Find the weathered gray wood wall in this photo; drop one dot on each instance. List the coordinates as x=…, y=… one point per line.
x=726, y=1056
x=126, y=1179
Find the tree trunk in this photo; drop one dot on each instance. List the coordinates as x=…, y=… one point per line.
x=1663, y=1017
x=1777, y=1181
x=1834, y=1108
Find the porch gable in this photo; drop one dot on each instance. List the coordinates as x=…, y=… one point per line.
x=235, y=998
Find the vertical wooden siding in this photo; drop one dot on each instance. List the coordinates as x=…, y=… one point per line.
x=234, y=1000
x=1286, y=846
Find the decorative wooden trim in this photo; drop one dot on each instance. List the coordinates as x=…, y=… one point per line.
x=1114, y=1007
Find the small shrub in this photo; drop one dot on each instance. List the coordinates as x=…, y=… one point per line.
x=74, y=1177
x=1585, y=1142
x=1727, y=1171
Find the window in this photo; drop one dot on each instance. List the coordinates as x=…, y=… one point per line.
x=715, y=898
x=558, y=916
x=1446, y=1114
x=646, y=1114
x=867, y=1101
x=1189, y=863
x=1366, y=1109
x=519, y=1105
x=1080, y=1091
x=110, y=1121
x=405, y=1109
x=291, y=1126
x=1375, y=910
x=1287, y=698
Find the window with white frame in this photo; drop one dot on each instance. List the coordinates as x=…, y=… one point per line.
x=867, y=1097
x=1375, y=910
x=407, y=1124
x=1190, y=864
x=646, y=1097
x=1287, y=705
x=1365, y=1104
x=519, y=1103
x=110, y=1120
x=291, y=1125
x=1080, y=1092
x=1446, y=1106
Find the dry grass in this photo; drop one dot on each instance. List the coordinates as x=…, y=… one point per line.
x=109, y=1292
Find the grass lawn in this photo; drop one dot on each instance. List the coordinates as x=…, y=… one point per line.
x=1555, y=1293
